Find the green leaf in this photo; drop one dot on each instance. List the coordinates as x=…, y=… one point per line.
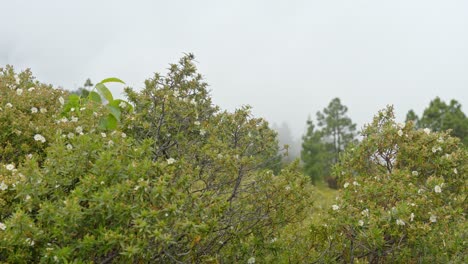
x=95, y=97
x=109, y=122
x=104, y=91
x=112, y=79
x=115, y=111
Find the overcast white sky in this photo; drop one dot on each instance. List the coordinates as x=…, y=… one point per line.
x=287, y=59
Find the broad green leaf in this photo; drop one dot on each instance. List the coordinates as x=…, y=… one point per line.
x=104, y=91
x=115, y=111
x=112, y=79
x=95, y=97
x=109, y=122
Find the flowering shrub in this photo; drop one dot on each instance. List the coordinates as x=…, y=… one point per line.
x=403, y=198
x=176, y=180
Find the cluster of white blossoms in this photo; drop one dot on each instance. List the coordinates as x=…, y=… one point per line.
x=415, y=173
x=34, y=110
x=437, y=189
x=3, y=186
x=39, y=137
x=365, y=212
x=8, y=105
x=19, y=91
x=427, y=131
x=361, y=223
x=433, y=218
x=251, y=260
x=10, y=167
x=400, y=222
x=335, y=207
x=434, y=149
x=2, y=226
x=346, y=185
x=400, y=132
x=170, y=161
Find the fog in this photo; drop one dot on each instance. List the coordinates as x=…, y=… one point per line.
x=287, y=59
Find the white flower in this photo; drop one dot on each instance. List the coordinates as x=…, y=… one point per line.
x=28, y=197
x=412, y=217
x=197, y=123
x=360, y=223
x=287, y=188
x=365, y=212
x=202, y=132
x=69, y=146
x=79, y=129
x=415, y=173
x=8, y=105
x=433, y=218
x=400, y=222
x=122, y=105
x=3, y=186
x=251, y=260
x=10, y=167
x=437, y=189
x=176, y=93
x=103, y=135
x=170, y=161
x=17, y=79
x=29, y=156
x=455, y=171
x=19, y=91
x=400, y=132
x=61, y=100
x=63, y=120
x=111, y=143
x=273, y=240
x=420, y=191
x=33, y=110
x=335, y=207
x=355, y=183
x=71, y=135
x=427, y=131
x=39, y=137
x=2, y=226
x=346, y=185
x=124, y=135
x=30, y=242
x=434, y=149
x=401, y=125
x=74, y=119
x=440, y=140
x=30, y=89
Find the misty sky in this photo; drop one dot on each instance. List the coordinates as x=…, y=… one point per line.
x=287, y=59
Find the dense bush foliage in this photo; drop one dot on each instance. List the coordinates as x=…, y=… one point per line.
x=403, y=199
x=176, y=180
